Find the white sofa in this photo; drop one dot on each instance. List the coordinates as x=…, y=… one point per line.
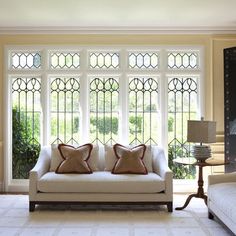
x=47, y=187
x=222, y=199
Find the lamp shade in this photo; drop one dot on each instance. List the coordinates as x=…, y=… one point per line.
x=201, y=131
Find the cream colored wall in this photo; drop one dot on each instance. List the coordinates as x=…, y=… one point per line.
x=213, y=74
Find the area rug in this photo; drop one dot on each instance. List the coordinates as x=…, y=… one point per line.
x=109, y=220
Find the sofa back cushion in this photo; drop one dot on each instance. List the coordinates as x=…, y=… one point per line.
x=102, y=157
x=56, y=158
x=110, y=158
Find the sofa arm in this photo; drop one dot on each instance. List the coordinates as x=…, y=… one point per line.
x=160, y=167
x=42, y=166
x=223, y=178
x=159, y=162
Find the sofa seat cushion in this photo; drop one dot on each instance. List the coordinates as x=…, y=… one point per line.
x=100, y=182
x=224, y=196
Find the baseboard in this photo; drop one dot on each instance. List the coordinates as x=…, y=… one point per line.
x=16, y=186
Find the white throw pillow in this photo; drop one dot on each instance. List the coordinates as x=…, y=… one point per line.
x=56, y=158
x=110, y=157
x=94, y=158
x=147, y=160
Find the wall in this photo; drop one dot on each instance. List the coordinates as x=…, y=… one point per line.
x=213, y=71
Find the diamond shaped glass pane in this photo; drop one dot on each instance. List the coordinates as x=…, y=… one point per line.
x=65, y=60
x=25, y=60
x=143, y=60
x=102, y=60
x=182, y=60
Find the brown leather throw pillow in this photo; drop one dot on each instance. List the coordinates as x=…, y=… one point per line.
x=75, y=159
x=129, y=160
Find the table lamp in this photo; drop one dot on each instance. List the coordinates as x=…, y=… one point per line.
x=201, y=131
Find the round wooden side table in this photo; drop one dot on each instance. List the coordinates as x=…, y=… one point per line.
x=192, y=161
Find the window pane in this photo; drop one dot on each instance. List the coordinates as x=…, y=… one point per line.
x=143, y=60
x=182, y=106
x=65, y=115
x=105, y=70
x=104, y=95
x=104, y=60
x=25, y=60
x=65, y=60
x=26, y=112
x=185, y=60
x=143, y=110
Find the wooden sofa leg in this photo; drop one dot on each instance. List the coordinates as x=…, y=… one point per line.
x=170, y=206
x=210, y=215
x=31, y=206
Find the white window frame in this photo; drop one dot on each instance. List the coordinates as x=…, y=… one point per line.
x=84, y=72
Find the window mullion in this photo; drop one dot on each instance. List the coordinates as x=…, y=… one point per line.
x=45, y=100
x=84, y=98
x=7, y=130
x=201, y=92
x=124, y=99
x=163, y=100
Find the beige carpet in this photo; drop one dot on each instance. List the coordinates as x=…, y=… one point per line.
x=105, y=221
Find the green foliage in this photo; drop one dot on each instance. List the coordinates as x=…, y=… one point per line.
x=76, y=124
x=135, y=124
x=25, y=150
x=180, y=171
x=170, y=124
x=151, y=108
x=105, y=125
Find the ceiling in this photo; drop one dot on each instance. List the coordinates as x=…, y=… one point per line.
x=159, y=15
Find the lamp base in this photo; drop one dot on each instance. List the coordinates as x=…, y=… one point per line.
x=201, y=152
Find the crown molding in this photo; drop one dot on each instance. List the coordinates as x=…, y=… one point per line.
x=116, y=30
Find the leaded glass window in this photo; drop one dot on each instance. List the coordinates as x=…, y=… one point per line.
x=101, y=95
x=65, y=60
x=104, y=60
x=182, y=106
x=26, y=124
x=143, y=60
x=25, y=60
x=183, y=60
x=143, y=110
x=104, y=110
x=65, y=113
